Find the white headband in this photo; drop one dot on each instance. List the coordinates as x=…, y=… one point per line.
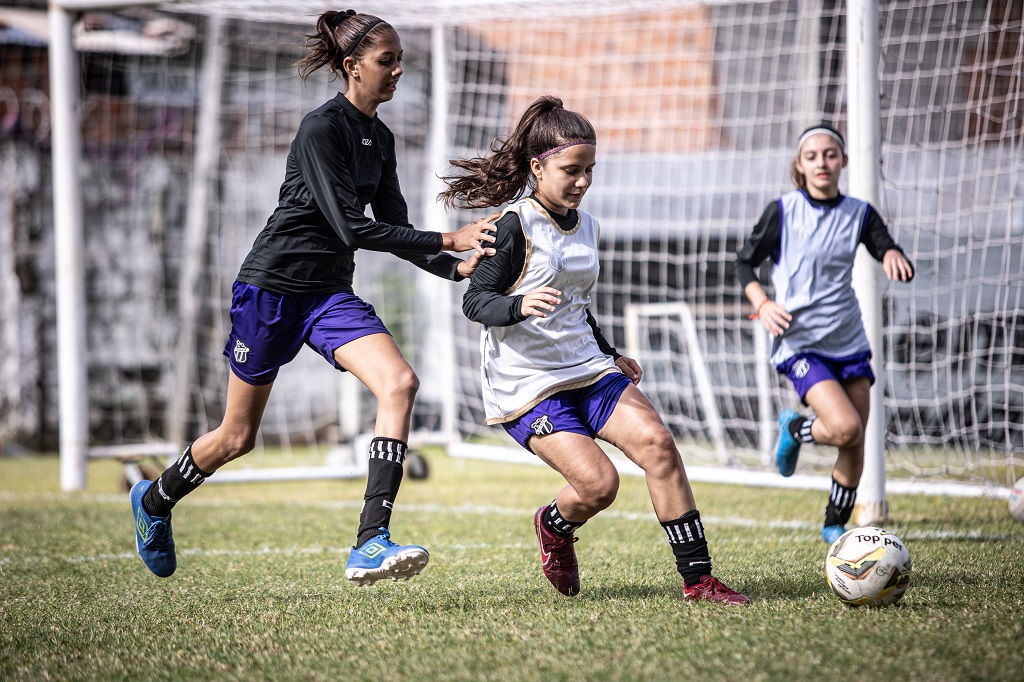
x=821, y=131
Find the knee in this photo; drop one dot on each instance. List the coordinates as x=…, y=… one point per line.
x=847, y=433
x=659, y=457
x=403, y=385
x=601, y=490
x=231, y=444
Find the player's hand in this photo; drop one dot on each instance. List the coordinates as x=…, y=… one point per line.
x=467, y=267
x=774, y=317
x=540, y=302
x=629, y=367
x=896, y=266
x=472, y=237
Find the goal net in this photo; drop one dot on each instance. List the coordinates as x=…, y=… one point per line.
x=697, y=107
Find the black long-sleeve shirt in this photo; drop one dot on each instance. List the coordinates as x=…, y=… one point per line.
x=486, y=301
x=340, y=161
x=765, y=238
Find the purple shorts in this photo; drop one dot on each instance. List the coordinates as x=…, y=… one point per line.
x=579, y=410
x=807, y=369
x=268, y=329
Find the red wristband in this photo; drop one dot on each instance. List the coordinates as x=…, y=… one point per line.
x=754, y=316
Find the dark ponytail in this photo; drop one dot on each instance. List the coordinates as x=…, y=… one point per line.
x=340, y=35
x=505, y=175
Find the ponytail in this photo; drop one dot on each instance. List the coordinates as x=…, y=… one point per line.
x=340, y=35
x=505, y=175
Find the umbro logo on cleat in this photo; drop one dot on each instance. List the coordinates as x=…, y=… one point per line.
x=142, y=527
x=372, y=550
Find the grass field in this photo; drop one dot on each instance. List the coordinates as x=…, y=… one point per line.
x=260, y=593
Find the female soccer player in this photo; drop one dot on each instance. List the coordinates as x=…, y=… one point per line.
x=295, y=288
x=812, y=235
x=550, y=377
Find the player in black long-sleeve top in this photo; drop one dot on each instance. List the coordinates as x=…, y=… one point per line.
x=295, y=288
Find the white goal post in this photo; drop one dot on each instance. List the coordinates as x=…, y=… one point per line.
x=696, y=103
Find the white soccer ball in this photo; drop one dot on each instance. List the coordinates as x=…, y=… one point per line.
x=868, y=566
x=1016, y=501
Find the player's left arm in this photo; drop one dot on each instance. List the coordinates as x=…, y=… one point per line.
x=876, y=238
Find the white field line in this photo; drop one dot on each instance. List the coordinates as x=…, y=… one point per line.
x=463, y=509
x=745, y=477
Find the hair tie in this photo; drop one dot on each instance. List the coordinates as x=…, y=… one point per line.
x=541, y=157
x=338, y=17
x=355, y=44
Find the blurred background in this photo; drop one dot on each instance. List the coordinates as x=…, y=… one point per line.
x=697, y=105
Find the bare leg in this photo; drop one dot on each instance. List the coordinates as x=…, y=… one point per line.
x=236, y=434
x=592, y=479
x=842, y=411
x=378, y=363
x=636, y=428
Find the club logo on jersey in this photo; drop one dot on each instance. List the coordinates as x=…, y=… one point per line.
x=556, y=259
x=801, y=368
x=542, y=426
x=241, y=352
x=367, y=142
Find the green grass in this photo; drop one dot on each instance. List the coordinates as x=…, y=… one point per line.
x=260, y=592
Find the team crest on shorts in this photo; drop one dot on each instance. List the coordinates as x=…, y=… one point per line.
x=542, y=425
x=241, y=352
x=801, y=368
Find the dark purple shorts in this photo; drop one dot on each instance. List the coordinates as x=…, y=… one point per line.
x=268, y=329
x=807, y=369
x=580, y=410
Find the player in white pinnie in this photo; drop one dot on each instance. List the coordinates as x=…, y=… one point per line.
x=550, y=378
x=812, y=235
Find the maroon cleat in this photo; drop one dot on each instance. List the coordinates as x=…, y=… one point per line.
x=557, y=558
x=711, y=588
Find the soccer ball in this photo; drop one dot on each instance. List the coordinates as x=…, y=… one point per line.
x=868, y=566
x=1016, y=501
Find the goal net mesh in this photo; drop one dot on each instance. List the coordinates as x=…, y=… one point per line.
x=697, y=107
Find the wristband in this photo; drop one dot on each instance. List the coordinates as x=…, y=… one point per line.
x=754, y=316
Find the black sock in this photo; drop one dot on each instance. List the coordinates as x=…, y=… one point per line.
x=556, y=523
x=382, y=482
x=686, y=535
x=800, y=429
x=840, y=504
x=177, y=481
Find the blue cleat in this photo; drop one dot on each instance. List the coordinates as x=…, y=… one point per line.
x=153, y=536
x=831, y=533
x=380, y=558
x=787, y=448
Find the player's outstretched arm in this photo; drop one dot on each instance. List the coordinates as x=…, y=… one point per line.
x=472, y=237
